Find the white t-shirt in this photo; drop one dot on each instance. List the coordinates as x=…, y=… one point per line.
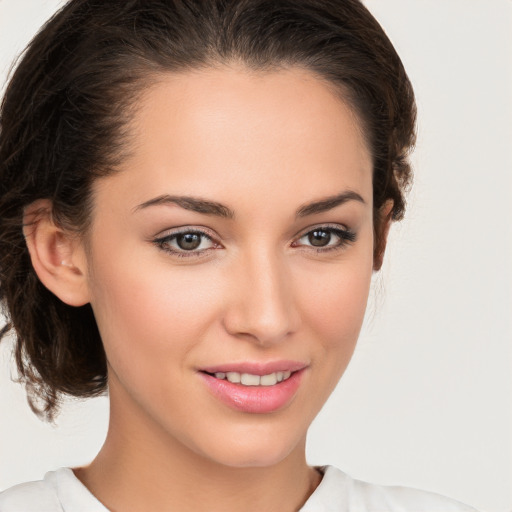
x=61, y=491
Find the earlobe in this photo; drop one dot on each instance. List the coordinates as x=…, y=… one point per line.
x=382, y=232
x=57, y=255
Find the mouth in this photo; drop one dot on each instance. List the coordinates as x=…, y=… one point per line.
x=255, y=389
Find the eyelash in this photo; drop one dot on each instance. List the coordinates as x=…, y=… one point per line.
x=346, y=237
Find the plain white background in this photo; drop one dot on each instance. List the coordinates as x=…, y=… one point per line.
x=427, y=399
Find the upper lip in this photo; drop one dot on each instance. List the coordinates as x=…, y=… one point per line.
x=256, y=368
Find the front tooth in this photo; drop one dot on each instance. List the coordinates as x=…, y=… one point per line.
x=248, y=379
x=220, y=375
x=268, y=380
x=280, y=376
x=233, y=377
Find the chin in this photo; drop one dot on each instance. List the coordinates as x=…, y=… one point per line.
x=255, y=451
x=256, y=458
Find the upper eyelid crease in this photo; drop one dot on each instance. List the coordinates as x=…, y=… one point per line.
x=185, y=229
x=208, y=207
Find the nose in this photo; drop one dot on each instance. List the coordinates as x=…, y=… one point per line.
x=262, y=304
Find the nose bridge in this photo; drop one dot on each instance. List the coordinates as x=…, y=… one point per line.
x=263, y=305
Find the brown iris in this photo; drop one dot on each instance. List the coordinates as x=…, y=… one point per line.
x=319, y=238
x=188, y=241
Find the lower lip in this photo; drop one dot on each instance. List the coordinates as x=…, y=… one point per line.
x=254, y=399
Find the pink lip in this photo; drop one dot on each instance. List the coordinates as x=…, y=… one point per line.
x=254, y=399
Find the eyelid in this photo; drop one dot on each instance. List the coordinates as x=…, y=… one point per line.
x=179, y=230
x=170, y=234
x=325, y=225
x=345, y=234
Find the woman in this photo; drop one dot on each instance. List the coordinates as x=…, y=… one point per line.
x=194, y=197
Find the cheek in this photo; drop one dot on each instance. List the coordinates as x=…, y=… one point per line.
x=336, y=306
x=143, y=312
x=334, y=311
x=150, y=322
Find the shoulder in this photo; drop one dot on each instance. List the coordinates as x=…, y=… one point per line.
x=339, y=491
x=59, y=491
x=30, y=497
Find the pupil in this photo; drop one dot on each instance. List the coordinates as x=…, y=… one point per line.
x=319, y=238
x=188, y=241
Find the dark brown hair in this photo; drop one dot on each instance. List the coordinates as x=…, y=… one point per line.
x=66, y=108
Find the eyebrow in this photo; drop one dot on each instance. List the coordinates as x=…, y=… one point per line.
x=207, y=207
x=328, y=203
x=195, y=204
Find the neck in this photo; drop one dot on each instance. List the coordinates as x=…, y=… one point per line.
x=141, y=467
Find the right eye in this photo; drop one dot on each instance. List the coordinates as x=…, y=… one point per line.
x=186, y=243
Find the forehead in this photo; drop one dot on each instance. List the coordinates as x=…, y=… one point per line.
x=231, y=132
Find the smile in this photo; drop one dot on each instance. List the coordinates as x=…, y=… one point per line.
x=249, y=379
x=253, y=388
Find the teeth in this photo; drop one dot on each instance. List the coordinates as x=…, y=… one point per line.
x=233, y=377
x=248, y=379
x=268, y=380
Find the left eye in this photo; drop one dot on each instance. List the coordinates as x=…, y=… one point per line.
x=186, y=242
x=326, y=237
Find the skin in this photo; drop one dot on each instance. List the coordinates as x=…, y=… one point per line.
x=264, y=145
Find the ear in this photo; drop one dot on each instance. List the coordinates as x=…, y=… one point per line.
x=381, y=235
x=57, y=255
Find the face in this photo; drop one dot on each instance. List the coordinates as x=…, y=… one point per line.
x=235, y=243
